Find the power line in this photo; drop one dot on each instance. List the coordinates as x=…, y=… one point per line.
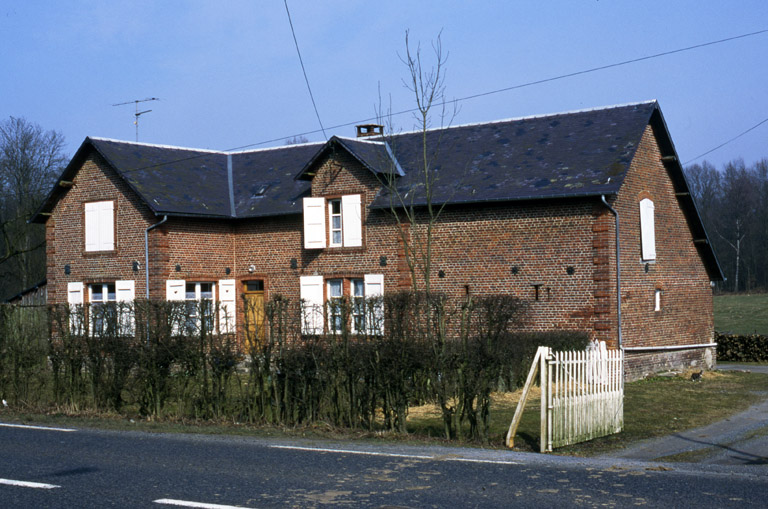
x=727, y=142
x=536, y=82
x=483, y=94
x=296, y=42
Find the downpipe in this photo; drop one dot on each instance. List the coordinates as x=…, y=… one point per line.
x=146, y=263
x=146, y=251
x=618, y=269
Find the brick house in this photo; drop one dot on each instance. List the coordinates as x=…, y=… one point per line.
x=533, y=209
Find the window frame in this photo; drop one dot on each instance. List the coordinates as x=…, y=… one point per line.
x=193, y=320
x=99, y=230
x=647, y=230
x=95, y=316
x=332, y=228
x=333, y=221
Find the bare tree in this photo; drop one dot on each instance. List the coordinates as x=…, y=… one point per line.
x=30, y=160
x=413, y=206
x=296, y=140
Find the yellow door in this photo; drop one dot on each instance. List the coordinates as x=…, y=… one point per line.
x=254, y=314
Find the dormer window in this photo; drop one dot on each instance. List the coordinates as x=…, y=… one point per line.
x=333, y=222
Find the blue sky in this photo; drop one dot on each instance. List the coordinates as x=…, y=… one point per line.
x=227, y=73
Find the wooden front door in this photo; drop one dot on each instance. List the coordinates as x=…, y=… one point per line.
x=254, y=313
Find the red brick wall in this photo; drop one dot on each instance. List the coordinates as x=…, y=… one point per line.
x=481, y=249
x=65, y=233
x=686, y=315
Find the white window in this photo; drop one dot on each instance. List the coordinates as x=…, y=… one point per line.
x=335, y=289
x=647, y=230
x=100, y=226
x=102, y=297
x=344, y=219
x=199, y=298
x=365, y=312
x=657, y=300
x=111, y=305
x=358, y=305
x=334, y=219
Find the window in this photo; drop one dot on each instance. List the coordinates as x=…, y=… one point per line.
x=324, y=298
x=335, y=312
x=102, y=298
x=109, y=304
x=100, y=226
x=334, y=216
x=657, y=300
x=344, y=222
x=358, y=305
x=647, y=230
x=199, y=299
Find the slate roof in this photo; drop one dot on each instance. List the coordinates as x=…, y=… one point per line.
x=563, y=155
x=583, y=153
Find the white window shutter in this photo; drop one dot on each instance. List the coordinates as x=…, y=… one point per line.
x=314, y=223
x=75, y=293
x=311, y=304
x=91, y=227
x=175, y=289
x=75, y=298
x=352, y=219
x=227, y=306
x=100, y=226
x=374, y=289
x=107, y=226
x=647, y=230
x=125, y=293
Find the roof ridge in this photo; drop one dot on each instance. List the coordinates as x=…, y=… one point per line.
x=157, y=145
x=528, y=117
x=206, y=150
x=278, y=147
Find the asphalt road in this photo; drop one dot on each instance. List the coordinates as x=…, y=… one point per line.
x=93, y=468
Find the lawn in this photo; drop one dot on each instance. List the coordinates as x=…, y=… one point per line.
x=741, y=314
x=652, y=408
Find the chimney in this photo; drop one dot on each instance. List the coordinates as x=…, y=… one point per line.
x=365, y=130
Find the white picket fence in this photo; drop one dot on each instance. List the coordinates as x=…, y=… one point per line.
x=582, y=395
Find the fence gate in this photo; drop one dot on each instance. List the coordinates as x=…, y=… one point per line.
x=582, y=395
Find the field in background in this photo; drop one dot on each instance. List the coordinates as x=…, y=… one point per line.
x=741, y=314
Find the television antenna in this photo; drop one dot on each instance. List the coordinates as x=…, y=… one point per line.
x=138, y=113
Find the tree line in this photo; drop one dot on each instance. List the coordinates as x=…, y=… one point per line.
x=733, y=204
x=31, y=159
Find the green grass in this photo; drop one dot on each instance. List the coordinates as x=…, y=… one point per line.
x=652, y=408
x=741, y=314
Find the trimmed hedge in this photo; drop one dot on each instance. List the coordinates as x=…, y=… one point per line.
x=742, y=348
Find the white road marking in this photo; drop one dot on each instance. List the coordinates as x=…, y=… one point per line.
x=27, y=426
x=393, y=455
x=187, y=503
x=26, y=484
